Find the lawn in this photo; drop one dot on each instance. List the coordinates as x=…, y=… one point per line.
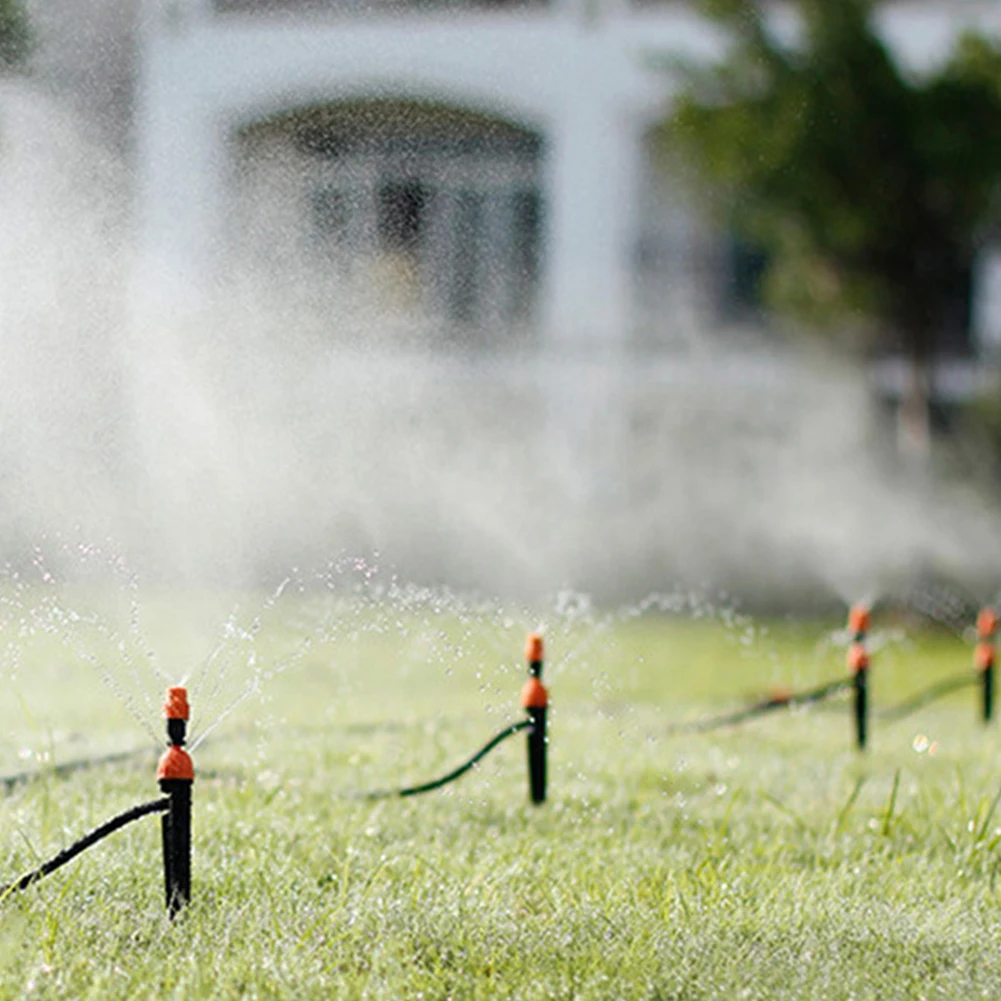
x=770, y=860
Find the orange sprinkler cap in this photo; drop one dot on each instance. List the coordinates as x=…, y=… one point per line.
x=859, y=619
x=534, y=695
x=534, y=648
x=983, y=656
x=177, y=704
x=987, y=623
x=175, y=763
x=858, y=659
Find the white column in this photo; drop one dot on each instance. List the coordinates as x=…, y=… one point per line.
x=587, y=293
x=591, y=179
x=181, y=164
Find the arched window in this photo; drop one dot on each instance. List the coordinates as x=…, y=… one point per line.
x=425, y=211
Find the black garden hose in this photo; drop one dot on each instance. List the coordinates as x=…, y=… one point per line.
x=509, y=731
x=87, y=841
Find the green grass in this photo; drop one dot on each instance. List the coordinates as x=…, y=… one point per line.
x=769, y=861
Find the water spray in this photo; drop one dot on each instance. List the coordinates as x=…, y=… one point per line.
x=983, y=658
x=859, y=619
x=534, y=700
x=176, y=775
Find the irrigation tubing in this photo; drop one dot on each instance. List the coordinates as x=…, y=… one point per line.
x=929, y=695
x=499, y=738
x=87, y=841
x=761, y=708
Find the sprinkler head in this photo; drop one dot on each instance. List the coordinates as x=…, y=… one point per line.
x=858, y=659
x=176, y=706
x=534, y=695
x=987, y=623
x=177, y=712
x=534, y=648
x=859, y=619
x=175, y=763
x=983, y=656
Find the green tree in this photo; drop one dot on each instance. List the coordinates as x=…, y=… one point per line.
x=869, y=189
x=15, y=36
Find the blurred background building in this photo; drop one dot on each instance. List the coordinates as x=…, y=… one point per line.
x=449, y=179
x=480, y=169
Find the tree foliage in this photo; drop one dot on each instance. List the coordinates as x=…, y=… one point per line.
x=869, y=188
x=15, y=36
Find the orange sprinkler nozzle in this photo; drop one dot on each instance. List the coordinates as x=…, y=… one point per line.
x=983, y=656
x=987, y=623
x=534, y=648
x=175, y=763
x=177, y=704
x=859, y=619
x=858, y=659
x=534, y=695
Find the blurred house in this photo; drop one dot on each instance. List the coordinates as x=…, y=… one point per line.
x=447, y=165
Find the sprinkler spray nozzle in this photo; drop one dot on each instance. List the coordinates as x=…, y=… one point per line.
x=534, y=648
x=859, y=620
x=176, y=706
x=987, y=624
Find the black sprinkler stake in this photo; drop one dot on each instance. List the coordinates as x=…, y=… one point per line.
x=176, y=775
x=861, y=689
x=988, y=692
x=535, y=699
x=176, y=824
x=537, y=753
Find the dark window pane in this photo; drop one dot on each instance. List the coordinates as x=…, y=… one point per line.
x=401, y=215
